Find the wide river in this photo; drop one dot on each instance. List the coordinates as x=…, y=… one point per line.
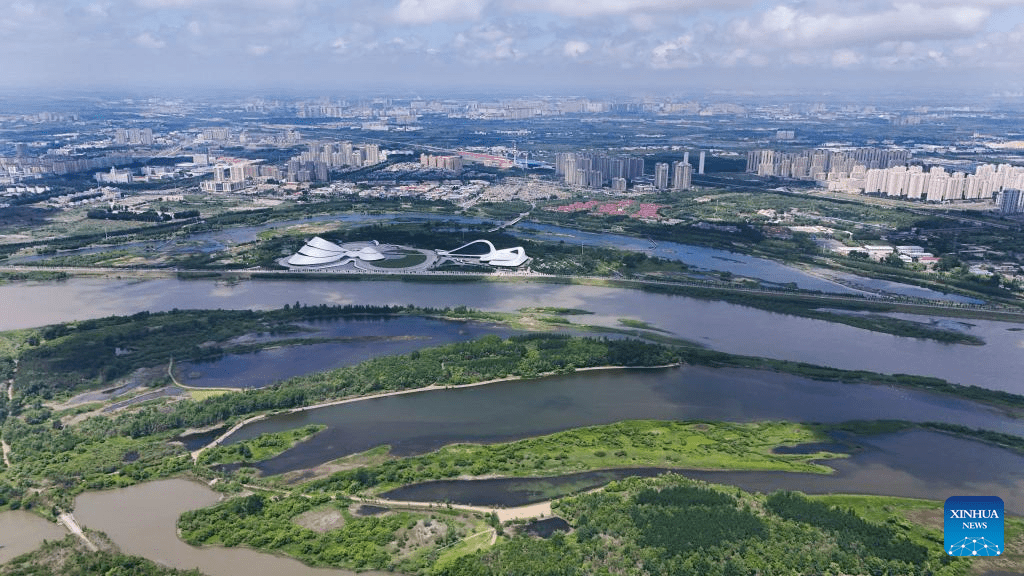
x=420, y=422
x=718, y=325
x=141, y=519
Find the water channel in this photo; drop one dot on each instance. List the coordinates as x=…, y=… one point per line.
x=363, y=339
x=718, y=325
x=421, y=422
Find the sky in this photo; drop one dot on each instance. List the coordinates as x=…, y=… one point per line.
x=529, y=45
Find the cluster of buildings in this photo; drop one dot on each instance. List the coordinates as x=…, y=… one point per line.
x=313, y=165
x=592, y=170
x=935, y=185
x=14, y=170
x=878, y=252
x=821, y=164
x=988, y=182
x=452, y=163
x=886, y=172
x=681, y=175
x=233, y=175
x=133, y=137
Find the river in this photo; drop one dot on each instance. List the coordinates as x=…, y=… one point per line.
x=421, y=422
x=22, y=532
x=363, y=339
x=718, y=325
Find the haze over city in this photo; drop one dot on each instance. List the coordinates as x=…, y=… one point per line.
x=641, y=46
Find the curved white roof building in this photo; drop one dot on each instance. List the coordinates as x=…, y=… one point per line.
x=320, y=252
x=487, y=253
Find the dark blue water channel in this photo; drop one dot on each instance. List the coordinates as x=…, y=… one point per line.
x=421, y=422
x=359, y=339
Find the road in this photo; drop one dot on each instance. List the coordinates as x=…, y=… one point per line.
x=68, y=521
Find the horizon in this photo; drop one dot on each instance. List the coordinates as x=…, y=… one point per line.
x=640, y=47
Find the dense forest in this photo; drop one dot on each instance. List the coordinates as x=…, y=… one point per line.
x=651, y=526
x=671, y=525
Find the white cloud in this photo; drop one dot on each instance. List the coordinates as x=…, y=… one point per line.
x=147, y=40
x=590, y=8
x=677, y=53
x=340, y=45
x=258, y=49
x=427, y=11
x=845, y=58
x=788, y=26
x=575, y=48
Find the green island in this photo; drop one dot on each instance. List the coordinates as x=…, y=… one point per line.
x=259, y=448
x=631, y=443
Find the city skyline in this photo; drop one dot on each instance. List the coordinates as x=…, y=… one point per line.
x=615, y=45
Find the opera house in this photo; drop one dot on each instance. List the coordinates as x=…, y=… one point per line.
x=320, y=254
x=486, y=253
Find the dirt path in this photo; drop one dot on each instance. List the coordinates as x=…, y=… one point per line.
x=68, y=521
x=6, y=451
x=504, y=514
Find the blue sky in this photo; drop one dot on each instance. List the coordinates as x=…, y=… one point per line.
x=558, y=45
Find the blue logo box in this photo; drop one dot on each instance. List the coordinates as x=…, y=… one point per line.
x=974, y=526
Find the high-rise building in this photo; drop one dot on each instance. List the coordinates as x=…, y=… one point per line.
x=619, y=184
x=1010, y=201
x=661, y=176
x=700, y=165
x=682, y=174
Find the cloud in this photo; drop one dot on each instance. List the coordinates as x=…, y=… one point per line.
x=147, y=40
x=575, y=48
x=677, y=53
x=591, y=8
x=257, y=49
x=793, y=27
x=427, y=11
x=845, y=58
